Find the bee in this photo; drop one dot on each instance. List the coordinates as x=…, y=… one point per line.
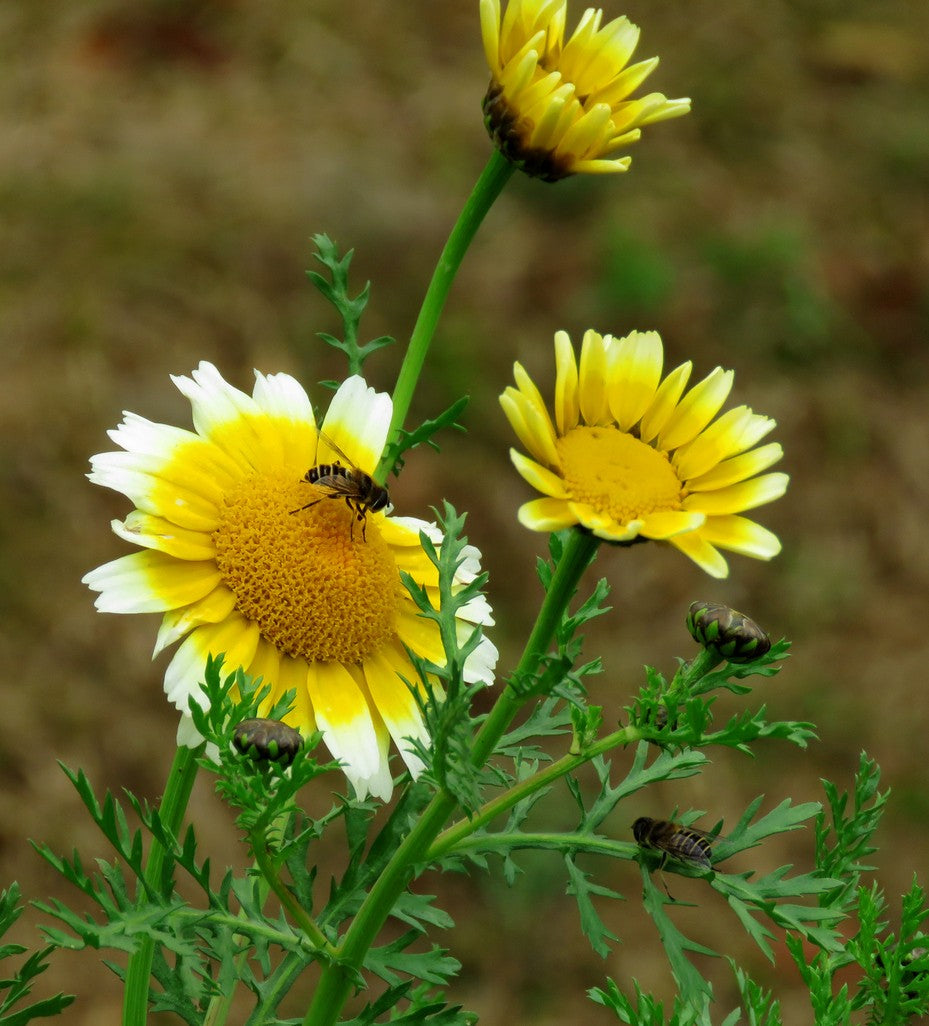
x=362, y=494
x=686, y=844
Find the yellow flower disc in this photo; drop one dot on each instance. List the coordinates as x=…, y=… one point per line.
x=315, y=587
x=617, y=474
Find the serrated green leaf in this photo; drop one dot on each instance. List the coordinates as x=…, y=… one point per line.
x=693, y=987
x=584, y=891
x=335, y=291
x=435, y=966
x=423, y=435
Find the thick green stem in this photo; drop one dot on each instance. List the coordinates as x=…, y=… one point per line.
x=336, y=981
x=489, y=186
x=173, y=806
x=580, y=548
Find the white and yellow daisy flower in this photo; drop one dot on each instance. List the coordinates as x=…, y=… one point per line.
x=630, y=457
x=299, y=596
x=557, y=108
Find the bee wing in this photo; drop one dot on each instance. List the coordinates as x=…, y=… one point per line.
x=690, y=845
x=323, y=437
x=705, y=834
x=338, y=484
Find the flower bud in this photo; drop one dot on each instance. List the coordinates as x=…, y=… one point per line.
x=268, y=740
x=732, y=634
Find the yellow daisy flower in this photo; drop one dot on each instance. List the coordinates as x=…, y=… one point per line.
x=631, y=458
x=556, y=108
x=238, y=563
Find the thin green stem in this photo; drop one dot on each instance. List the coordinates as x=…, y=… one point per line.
x=559, y=842
x=579, y=550
x=456, y=833
x=489, y=186
x=173, y=807
x=337, y=978
x=270, y=874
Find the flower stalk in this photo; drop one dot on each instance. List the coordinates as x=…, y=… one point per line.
x=489, y=185
x=177, y=791
x=336, y=980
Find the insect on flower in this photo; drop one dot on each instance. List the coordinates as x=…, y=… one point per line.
x=361, y=492
x=686, y=844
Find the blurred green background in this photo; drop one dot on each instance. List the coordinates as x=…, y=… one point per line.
x=162, y=168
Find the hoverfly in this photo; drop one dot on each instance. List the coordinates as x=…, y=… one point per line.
x=362, y=494
x=686, y=844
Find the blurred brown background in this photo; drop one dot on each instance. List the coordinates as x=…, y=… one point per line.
x=162, y=168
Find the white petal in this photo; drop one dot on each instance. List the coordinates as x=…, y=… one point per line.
x=227, y=416
x=236, y=638
x=283, y=396
x=358, y=421
x=481, y=663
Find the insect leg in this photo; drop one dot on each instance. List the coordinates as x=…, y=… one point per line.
x=664, y=882
x=300, y=509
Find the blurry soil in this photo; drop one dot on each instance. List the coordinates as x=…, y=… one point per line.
x=162, y=169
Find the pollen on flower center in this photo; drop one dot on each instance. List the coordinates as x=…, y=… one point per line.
x=314, y=586
x=617, y=474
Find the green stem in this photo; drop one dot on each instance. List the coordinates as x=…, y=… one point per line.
x=694, y=671
x=456, y=833
x=579, y=550
x=337, y=979
x=493, y=178
x=270, y=874
x=173, y=806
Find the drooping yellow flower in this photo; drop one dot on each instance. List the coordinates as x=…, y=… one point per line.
x=630, y=457
x=238, y=563
x=556, y=108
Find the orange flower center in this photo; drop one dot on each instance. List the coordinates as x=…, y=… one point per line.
x=318, y=586
x=617, y=474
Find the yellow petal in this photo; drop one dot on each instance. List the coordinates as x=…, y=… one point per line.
x=734, y=432
x=546, y=515
x=738, y=497
x=344, y=718
x=175, y=489
x=212, y=608
x=567, y=409
x=708, y=558
x=420, y=635
x=738, y=468
x=157, y=533
x=150, y=582
x=592, y=380
x=527, y=386
x=665, y=402
x=664, y=525
x=696, y=409
x=293, y=675
x=358, y=420
x=533, y=426
x=490, y=32
x=739, y=534
x=539, y=477
x=633, y=376
x=395, y=702
x=235, y=638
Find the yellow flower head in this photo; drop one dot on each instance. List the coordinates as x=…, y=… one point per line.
x=556, y=108
x=240, y=559
x=630, y=457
